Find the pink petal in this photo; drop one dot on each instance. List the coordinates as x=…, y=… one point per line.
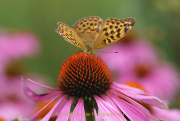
x=140, y=107
x=139, y=95
x=37, y=97
x=59, y=103
x=36, y=115
x=126, y=88
x=133, y=113
x=98, y=118
x=107, y=111
x=79, y=109
x=42, y=85
x=64, y=114
x=110, y=101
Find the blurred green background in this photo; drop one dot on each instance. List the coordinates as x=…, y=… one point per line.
x=156, y=21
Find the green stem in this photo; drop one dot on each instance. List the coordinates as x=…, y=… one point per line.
x=89, y=109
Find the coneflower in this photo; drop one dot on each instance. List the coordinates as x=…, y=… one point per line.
x=86, y=91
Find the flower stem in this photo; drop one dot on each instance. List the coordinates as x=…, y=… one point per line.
x=89, y=109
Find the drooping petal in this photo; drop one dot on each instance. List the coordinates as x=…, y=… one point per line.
x=140, y=107
x=107, y=111
x=133, y=113
x=36, y=115
x=60, y=103
x=138, y=95
x=79, y=113
x=42, y=85
x=39, y=97
x=65, y=112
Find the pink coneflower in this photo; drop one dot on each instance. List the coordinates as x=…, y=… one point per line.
x=137, y=61
x=14, y=46
x=128, y=54
x=160, y=80
x=13, y=102
x=85, y=86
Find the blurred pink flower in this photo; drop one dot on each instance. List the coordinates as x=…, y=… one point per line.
x=128, y=55
x=160, y=80
x=84, y=77
x=13, y=101
x=17, y=45
x=137, y=61
x=14, y=46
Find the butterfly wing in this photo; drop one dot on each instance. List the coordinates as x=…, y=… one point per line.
x=113, y=30
x=88, y=29
x=70, y=35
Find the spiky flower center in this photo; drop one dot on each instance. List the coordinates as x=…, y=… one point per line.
x=84, y=75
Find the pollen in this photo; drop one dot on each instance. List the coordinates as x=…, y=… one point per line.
x=84, y=75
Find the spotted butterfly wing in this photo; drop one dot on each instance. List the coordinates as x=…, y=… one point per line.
x=70, y=35
x=88, y=30
x=113, y=30
x=83, y=33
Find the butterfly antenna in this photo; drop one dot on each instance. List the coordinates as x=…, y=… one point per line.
x=106, y=52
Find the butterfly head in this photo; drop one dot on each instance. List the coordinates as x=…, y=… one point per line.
x=90, y=49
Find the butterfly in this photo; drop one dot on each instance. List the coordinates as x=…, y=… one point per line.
x=91, y=33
